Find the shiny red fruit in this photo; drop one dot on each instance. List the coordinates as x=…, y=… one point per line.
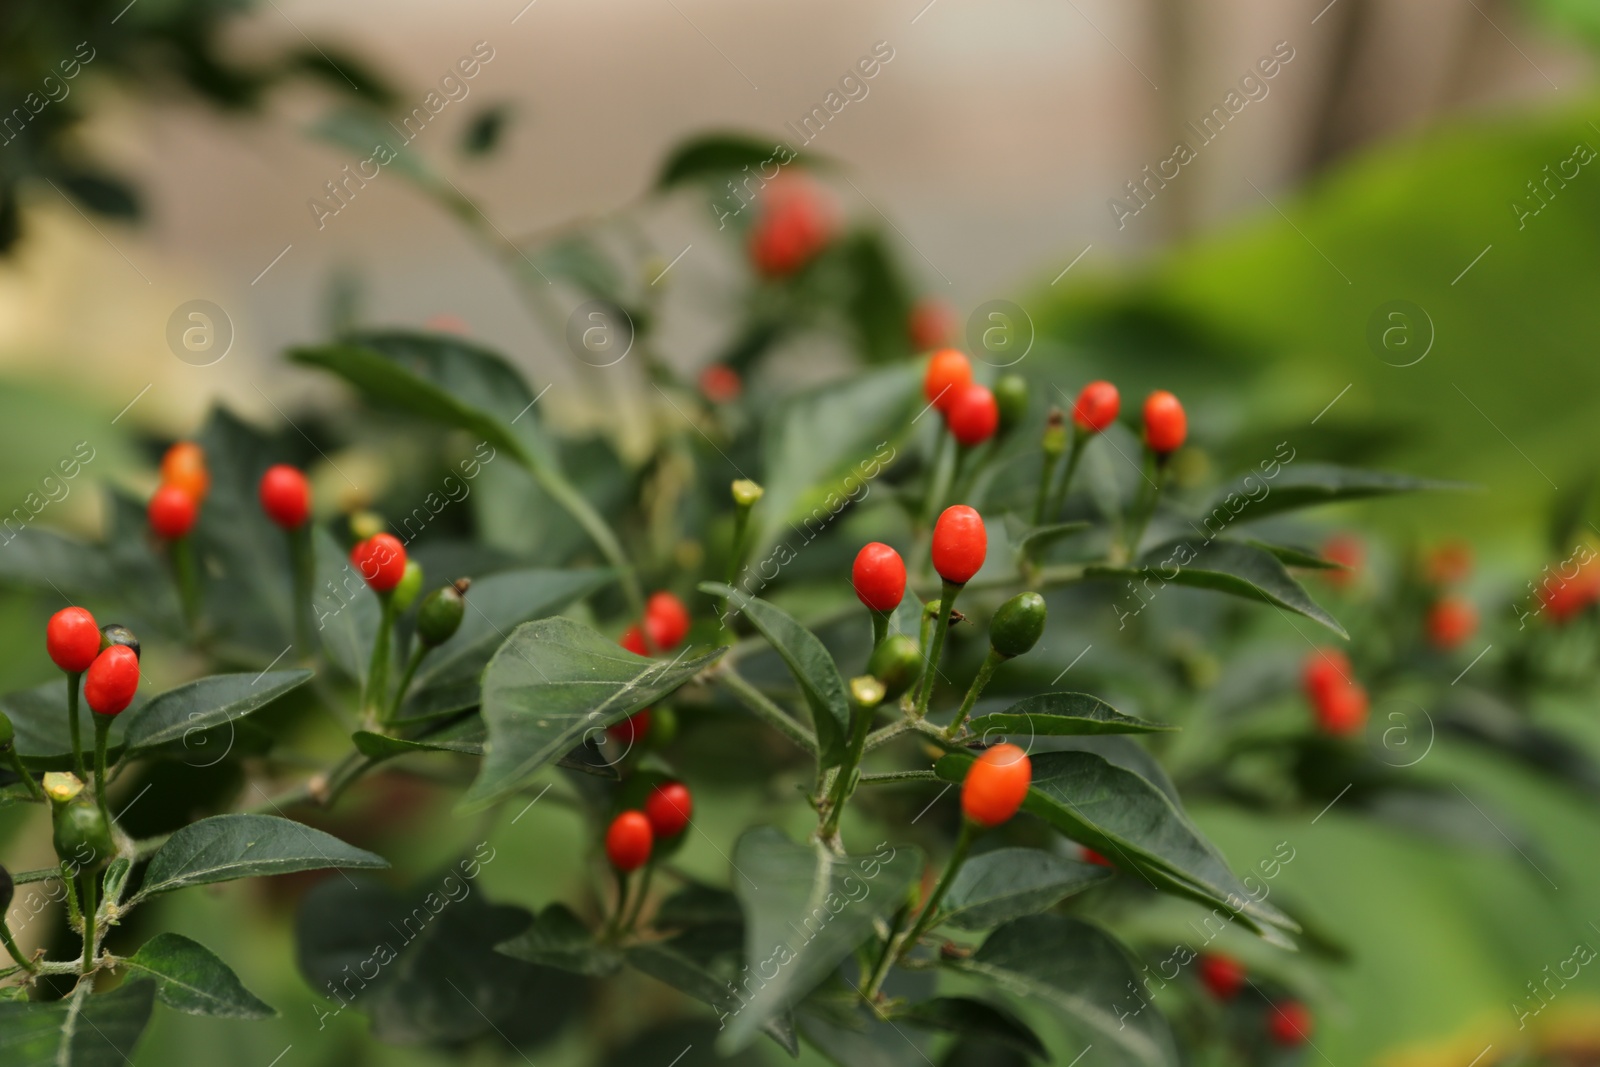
x=797, y=222
x=932, y=323
x=949, y=371
x=973, y=415
x=632, y=730
x=1343, y=711
x=111, y=680
x=285, y=496
x=879, y=577
x=666, y=621
x=1165, y=424
x=1289, y=1023
x=632, y=639
x=720, y=384
x=172, y=512
x=73, y=639
x=1451, y=620
x=1222, y=975
x=1564, y=597
x=184, y=466
x=380, y=560
x=959, y=544
x=628, y=841
x=1326, y=669
x=669, y=808
x=1096, y=407
x=996, y=785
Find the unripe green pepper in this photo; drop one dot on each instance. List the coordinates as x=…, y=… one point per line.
x=439, y=617
x=663, y=727
x=405, y=594
x=82, y=836
x=1017, y=625
x=1011, y=397
x=897, y=663
x=114, y=633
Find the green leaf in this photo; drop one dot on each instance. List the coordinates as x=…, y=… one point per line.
x=1134, y=824
x=806, y=908
x=1083, y=976
x=81, y=1030
x=1029, y=540
x=1054, y=714
x=39, y=717
x=190, y=978
x=977, y=1019
x=661, y=962
x=1291, y=556
x=483, y=133
x=880, y=303
x=808, y=660
x=559, y=939
x=1309, y=484
x=178, y=713
x=1224, y=566
x=450, y=678
x=344, y=609
x=822, y=449
x=713, y=156
x=995, y=887
x=225, y=847
x=552, y=684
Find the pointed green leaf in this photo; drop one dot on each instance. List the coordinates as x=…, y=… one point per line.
x=995, y=887
x=190, y=978
x=808, y=660
x=554, y=683
x=81, y=1030
x=179, y=713
x=558, y=938
x=1082, y=975
x=1137, y=827
x=1224, y=566
x=975, y=1018
x=1056, y=714
x=1290, y=556
x=663, y=963
x=1309, y=484
x=806, y=908
x=451, y=675
x=225, y=847
x=714, y=156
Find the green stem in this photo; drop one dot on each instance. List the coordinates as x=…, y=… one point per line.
x=300, y=560
x=74, y=728
x=880, y=627
x=16, y=953
x=102, y=729
x=985, y=672
x=1041, y=496
x=958, y=856
x=845, y=782
x=930, y=612
x=947, y=600
x=939, y=476
x=377, y=690
x=183, y=564
x=614, y=924
x=69, y=881
x=869, y=989
x=87, y=881
x=14, y=761
x=968, y=467
x=1058, y=498
x=638, y=901
x=405, y=679
x=1145, y=505
x=757, y=701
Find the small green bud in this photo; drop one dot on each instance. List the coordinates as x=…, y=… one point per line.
x=8, y=734
x=867, y=691
x=366, y=524
x=1011, y=396
x=81, y=835
x=405, y=594
x=1055, y=433
x=439, y=617
x=746, y=493
x=1018, y=624
x=61, y=786
x=897, y=663
x=114, y=633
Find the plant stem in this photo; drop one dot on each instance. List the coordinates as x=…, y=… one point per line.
x=1145, y=505
x=74, y=728
x=869, y=989
x=405, y=679
x=87, y=881
x=102, y=729
x=300, y=559
x=1058, y=498
x=614, y=925
x=757, y=701
x=376, y=695
x=930, y=612
x=1041, y=496
x=880, y=627
x=69, y=881
x=14, y=761
x=638, y=901
x=985, y=672
x=958, y=856
x=16, y=953
x=846, y=780
x=947, y=600
x=183, y=564
x=939, y=476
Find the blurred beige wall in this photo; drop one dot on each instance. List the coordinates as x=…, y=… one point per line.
x=992, y=141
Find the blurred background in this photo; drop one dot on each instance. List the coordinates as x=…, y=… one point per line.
x=1387, y=244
